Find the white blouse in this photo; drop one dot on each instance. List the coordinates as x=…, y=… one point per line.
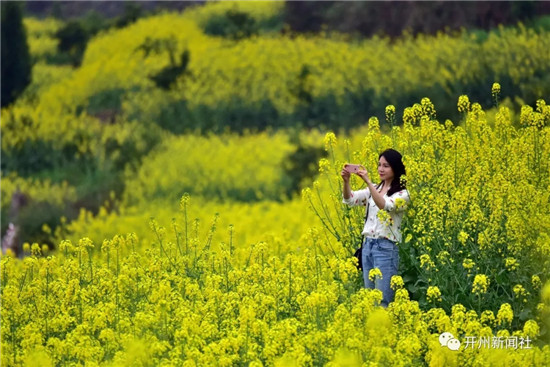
x=374, y=227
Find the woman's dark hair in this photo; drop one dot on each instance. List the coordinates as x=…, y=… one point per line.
x=396, y=163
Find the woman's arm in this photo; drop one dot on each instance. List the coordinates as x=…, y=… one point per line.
x=376, y=196
x=350, y=197
x=346, y=191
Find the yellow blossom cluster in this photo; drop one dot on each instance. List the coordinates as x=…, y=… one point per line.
x=481, y=284
x=181, y=275
x=173, y=305
x=464, y=218
x=260, y=284
x=434, y=294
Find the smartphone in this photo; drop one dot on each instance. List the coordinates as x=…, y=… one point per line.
x=352, y=168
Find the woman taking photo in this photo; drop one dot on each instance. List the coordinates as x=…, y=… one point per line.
x=382, y=232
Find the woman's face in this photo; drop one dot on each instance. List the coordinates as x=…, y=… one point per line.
x=384, y=169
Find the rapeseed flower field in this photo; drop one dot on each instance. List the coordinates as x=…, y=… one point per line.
x=208, y=258
x=189, y=299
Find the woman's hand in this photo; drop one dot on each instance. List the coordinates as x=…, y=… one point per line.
x=345, y=175
x=363, y=174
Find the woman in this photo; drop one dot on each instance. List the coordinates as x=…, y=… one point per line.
x=382, y=231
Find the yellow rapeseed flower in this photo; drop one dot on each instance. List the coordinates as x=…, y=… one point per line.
x=306, y=194
x=463, y=103
x=505, y=314
x=488, y=318
x=184, y=201
x=468, y=263
x=443, y=256
x=324, y=165
x=426, y=262
x=46, y=228
x=390, y=114
x=520, y=291
x=330, y=140
x=400, y=203
x=434, y=294
x=35, y=249
x=396, y=282
x=428, y=108
x=384, y=217
x=511, y=263
x=375, y=272
x=462, y=237
x=535, y=280
x=481, y=283
x=531, y=329
x=495, y=92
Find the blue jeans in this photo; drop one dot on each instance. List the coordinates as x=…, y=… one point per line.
x=383, y=254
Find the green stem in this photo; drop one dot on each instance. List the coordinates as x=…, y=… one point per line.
x=324, y=208
x=290, y=282
x=231, y=240
x=47, y=301
x=177, y=237
x=186, y=230
x=335, y=234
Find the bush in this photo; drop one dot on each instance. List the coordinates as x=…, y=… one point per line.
x=73, y=38
x=16, y=59
x=477, y=232
x=234, y=24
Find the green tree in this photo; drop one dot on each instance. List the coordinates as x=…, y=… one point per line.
x=16, y=61
x=132, y=12
x=73, y=38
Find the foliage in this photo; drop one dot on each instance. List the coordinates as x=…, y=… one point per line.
x=46, y=203
x=73, y=38
x=16, y=60
x=218, y=167
x=41, y=37
x=289, y=80
x=192, y=305
x=478, y=232
x=241, y=272
x=238, y=19
x=312, y=82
